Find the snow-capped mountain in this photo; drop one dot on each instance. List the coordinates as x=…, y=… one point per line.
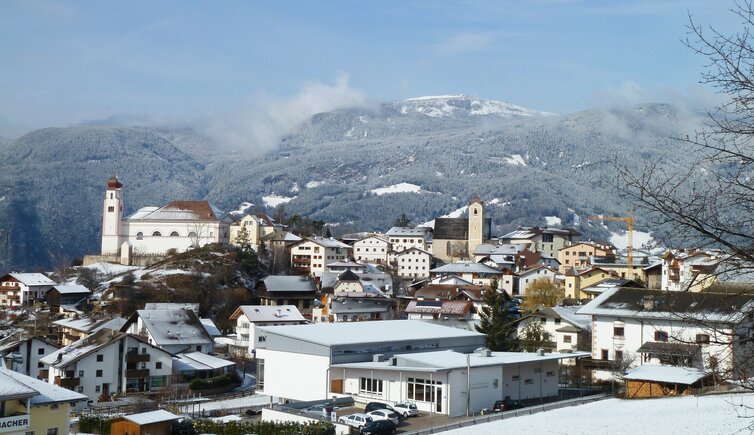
x=444, y=106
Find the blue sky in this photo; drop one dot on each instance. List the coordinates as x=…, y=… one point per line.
x=67, y=62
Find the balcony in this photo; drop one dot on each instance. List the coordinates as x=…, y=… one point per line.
x=136, y=357
x=67, y=382
x=302, y=261
x=143, y=373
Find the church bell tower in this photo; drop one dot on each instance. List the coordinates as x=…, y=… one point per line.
x=112, y=215
x=476, y=224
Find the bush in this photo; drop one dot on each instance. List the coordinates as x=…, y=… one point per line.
x=224, y=380
x=264, y=428
x=94, y=424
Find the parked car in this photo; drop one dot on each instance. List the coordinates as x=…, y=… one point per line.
x=355, y=420
x=406, y=409
x=506, y=405
x=321, y=412
x=373, y=406
x=384, y=414
x=379, y=427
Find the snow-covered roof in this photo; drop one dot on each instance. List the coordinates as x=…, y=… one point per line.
x=326, y=242
x=199, y=361
x=344, y=333
x=13, y=384
x=172, y=327
x=669, y=374
x=86, y=324
x=289, y=283
x=466, y=268
x=570, y=315
x=32, y=279
x=504, y=249
x=72, y=289
x=211, y=328
x=455, y=308
x=407, y=231
x=193, y=306
x=682, y=306
x=151, y=417
x=200, y=210
x=449, y=360
x=269, y=313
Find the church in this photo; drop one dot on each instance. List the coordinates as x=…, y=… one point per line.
x=157, y=231
x=456, y=238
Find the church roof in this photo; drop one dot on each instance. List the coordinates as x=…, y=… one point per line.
x=200, y=210
x=451, y=229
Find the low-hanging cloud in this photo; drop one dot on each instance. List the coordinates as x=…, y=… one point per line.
x=259, y=126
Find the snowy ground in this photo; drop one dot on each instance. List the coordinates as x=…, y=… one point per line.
x=275, y=200
x=641, y=239
x=723, y=414
x=397, y=188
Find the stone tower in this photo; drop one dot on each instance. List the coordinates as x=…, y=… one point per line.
x=476, y=224
x=112, y=215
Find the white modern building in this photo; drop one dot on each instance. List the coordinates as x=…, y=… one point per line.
x=294, y=361
x=177, y=226
x=108, y=362
x=440, y=381
x=708, y=331
x=25, y=356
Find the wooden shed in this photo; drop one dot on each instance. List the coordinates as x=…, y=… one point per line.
x=661, y=381
x=146, y=423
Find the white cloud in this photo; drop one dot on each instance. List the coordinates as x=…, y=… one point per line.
x=259, y=126
x=693, y=98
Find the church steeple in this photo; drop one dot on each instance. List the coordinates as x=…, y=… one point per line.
x=476, y=223
x=112, y=215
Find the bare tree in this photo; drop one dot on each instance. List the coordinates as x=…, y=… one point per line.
x=197, y=232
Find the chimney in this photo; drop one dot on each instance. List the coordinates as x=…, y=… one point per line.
x=648, y=301
x=540, y=352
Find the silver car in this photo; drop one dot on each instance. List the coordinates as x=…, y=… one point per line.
x=355, y=420
x=384, y=414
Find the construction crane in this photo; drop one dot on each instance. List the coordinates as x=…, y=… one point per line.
x=630, y=248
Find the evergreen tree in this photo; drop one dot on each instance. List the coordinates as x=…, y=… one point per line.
x=402, y=221
x=497, y=321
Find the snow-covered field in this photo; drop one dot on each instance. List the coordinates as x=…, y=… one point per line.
x=275, y=200
x=516, y=160
x=397, y=188
x=553, y=221
x=723, y=414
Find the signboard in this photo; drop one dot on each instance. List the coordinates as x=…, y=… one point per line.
x=14, y=423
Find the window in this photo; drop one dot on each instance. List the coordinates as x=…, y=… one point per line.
x=40, y=365
x=100, y=358
x=551, y=373
x=515, y=378
x=139, y=236
x=422, y=390
x=81, y=373
x=661, y=336
x=97, y=389
x=158, y=365
x=198, y=348
x=547, y=238
x=702, y=338
x=143, y=366
x=110, y=208
x=605, y=354
x=52, y=431
x=99, y=373
x=80, y=389
x=143, y=350
x=557, y=321
x=537, y=369
x=41, y=351
x=174, y=234
x=619, y=355
x=156, y=234
x=618, y=331
x=566, y=339
x=528, y=381
x=260, y=374
x=371, y=386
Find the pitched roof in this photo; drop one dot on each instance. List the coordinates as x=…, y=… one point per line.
x=682, y=306
x=200, y=361
x=466, y=268
x=86, y=346
x=289, y=283
x=14, y=384
x=171, y=327
x=529, y=232
x=269, y=313
x=407, y=231
x=151, y=417
x=31, y=279
x=504, y=249
x=348, y=275
x=200, y=210
x=450, y=292
x=71, y=289
x=451, y=229
x=458, y=308
x=281, y=236
x=667, y=374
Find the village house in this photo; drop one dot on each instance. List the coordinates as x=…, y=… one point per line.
x=453, y=292
x=568, y=329
x=61, y=296
x=354, y=298
x=548, y=241
x=73, y=329
x=373, y=249
x=23, y=289
x=688, y=271
x=500, y=256
x=156, y=231
x=402, y=238
x=249, y=317
x=108, y=362
x=474, y=273
x=527, y=277
x=579, y=254
x=707, y=331
x=25, y=356
x=578, y=279
x=299, y=291
x=31, y=406
x=256, y=227
x=459, y=310
x=456, y=239
x=412, y=263
x=174, y=331
x=312, y=255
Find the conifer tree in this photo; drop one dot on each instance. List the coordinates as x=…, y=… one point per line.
x=497, y=321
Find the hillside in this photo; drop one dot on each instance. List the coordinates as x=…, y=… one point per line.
x=340, y=166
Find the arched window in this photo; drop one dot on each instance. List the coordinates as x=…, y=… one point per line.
x=139, y=236
x=156, y=234
x=476, y=211
x=174, y=234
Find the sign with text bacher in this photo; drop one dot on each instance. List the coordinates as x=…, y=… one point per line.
x=14, y=423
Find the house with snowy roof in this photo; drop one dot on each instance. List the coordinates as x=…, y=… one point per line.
x=568, y=329
x=76, y=328
x=172, y=330
x=708, y=331
x=255, y=226
x=18, y=289
x=476, y=273
x=412, y=263
x=527, y=277
x=546, y=240
x=311, y=255
x=175, y=227
x=579, y=254
x=108, y=362
x=402, y=238
x=29, y=405
x=249, y=317
x=296, y=290
x=66, y=296
x=373, y=249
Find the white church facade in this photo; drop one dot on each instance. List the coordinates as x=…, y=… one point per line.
x=156, y=231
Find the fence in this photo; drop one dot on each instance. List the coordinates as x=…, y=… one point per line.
x=487, y=418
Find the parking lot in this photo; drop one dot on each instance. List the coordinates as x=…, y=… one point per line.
x=410, y=424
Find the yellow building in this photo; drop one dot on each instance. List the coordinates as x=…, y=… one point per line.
x=256, y=226
x=29, y=406
x=578, y=279
x=579, y=254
